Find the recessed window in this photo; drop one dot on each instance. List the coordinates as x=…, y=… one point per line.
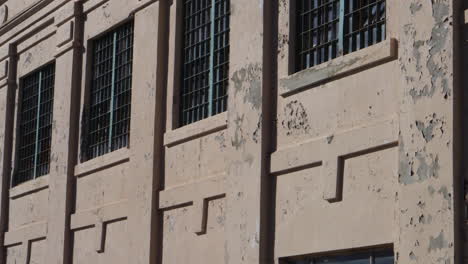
x=376, y=256
x=205, y=69
x=110, y=93
x=35, y=125
x=326, y=29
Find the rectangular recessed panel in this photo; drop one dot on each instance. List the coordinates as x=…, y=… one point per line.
x=35, y=125
x=110, y=93
x=205, y=59
x=364, y=24
x=316, y=32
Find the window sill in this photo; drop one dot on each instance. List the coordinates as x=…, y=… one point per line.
x=196, y=130
x=29, y=187
x=103, y=162
x=351, y=63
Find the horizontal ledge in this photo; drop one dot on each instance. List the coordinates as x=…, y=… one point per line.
x=354, y=62
x=26, y=233
x=105, y=213
x=103, y=162
x=29, y=187
x=184, y=195
x=347, y=143
x=195, y=130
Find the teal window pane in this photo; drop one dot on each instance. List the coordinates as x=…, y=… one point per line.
x=385, y=257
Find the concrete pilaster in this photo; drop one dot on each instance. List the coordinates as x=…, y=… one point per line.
x=425, y=203
x=65, y=129
x=249, y=99
x=146, y=133
x=8, y=87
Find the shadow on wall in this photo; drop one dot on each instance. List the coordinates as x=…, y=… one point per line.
x=464, y=109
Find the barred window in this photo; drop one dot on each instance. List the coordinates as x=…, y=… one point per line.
x=326, y=29
x=375, y=256
x=35, y=125
x=205, y=59
x=110, y=93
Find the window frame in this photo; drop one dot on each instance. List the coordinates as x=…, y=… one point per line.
x=89, y=78
x=291, y=83
x=341, y=35
x=371, y=252
x=179, y=59
x=14, y=182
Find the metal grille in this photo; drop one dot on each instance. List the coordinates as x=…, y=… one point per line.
x=327, y=29
x=110, y=95
x=35, y=125
x=205, y=59
x=317, y=32
x=364, y=24
x=363, y=257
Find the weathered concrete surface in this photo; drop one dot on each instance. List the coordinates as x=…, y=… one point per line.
x=362, y=149
x=426, y=185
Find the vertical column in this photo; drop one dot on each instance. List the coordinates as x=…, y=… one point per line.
x=65, y=127
x=7, y=106
x=425, y=195
x=249, y=133
x=146, y=132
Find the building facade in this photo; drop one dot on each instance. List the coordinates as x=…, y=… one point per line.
x=233, y=131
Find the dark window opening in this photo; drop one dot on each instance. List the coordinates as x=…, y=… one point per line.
x=364, y=24
x=35, y=125
x=317, y=32
x=205, y=59
x=110, y=93
x=326, y=29
x=372, y=256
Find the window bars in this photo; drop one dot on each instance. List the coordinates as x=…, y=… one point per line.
x=205, y=59
x=376, y=256
x=35, y=125
x=327, y=29
x=110, y=93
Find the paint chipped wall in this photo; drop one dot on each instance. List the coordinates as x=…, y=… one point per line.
x=415, y=90
x=357, y=160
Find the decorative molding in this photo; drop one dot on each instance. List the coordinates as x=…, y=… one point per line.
x=22, y=16
x=103, y=162
x=196, y=194
x=29, y=187
x=196, y=130
x=99, y=218
x=3, y=14
x=330, y=152
x=26, y=234
x=65, y=33
x=3, y=70
x=357, y=61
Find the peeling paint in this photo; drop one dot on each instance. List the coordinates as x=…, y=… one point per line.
x=249, y=81
x=238, y=141
x=415, y=7
x=296, y=120
x=437, y=243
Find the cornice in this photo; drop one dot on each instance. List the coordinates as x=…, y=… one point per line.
x=23, y=15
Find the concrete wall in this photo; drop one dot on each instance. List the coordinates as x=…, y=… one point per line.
x=359, y=152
